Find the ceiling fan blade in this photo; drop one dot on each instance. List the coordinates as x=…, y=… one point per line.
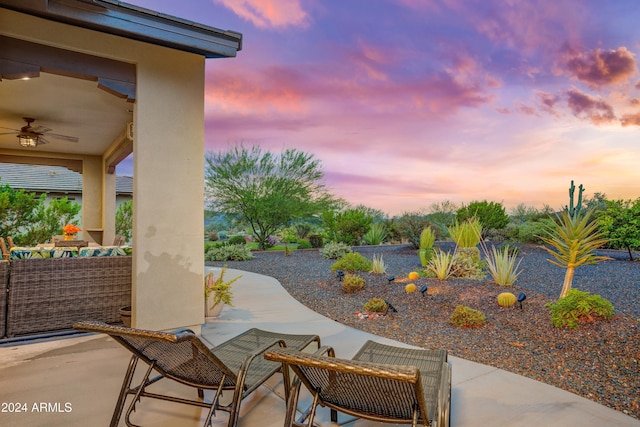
x=15, y=130
x=10, y=133
x=63, y=137
x=42, y=140
x=39, y=129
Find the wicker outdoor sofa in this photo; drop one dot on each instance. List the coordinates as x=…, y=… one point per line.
x=50, y=294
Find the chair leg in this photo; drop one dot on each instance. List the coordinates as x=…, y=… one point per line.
x=126, y=384
x=136, y=398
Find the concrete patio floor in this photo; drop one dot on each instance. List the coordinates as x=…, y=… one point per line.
x=75, y=381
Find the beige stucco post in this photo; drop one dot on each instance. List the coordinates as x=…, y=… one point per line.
x=92, y=198
x=168, y=214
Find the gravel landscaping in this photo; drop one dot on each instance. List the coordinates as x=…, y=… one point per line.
x=599, y=361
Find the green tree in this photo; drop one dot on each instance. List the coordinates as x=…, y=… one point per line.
x=573, y=240
x=491, y=215
x=266, y=190
x=620, y=223
x=124, y=219
x=442, y=215
x=29, y=219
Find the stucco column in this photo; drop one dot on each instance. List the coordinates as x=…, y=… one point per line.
x=92, y=197
x=109, y=209
x=168, y=215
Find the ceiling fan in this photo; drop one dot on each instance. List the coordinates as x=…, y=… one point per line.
x=32, y=136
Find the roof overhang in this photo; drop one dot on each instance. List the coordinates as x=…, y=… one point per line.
x=133, y=22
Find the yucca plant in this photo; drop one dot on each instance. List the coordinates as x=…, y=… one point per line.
x=466, y=234
x=378, y=266
x=440, y=264
x=573, y=240
x=376, y=235
x=502, y=265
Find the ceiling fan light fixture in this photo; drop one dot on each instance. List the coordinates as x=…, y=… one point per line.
x=28, y=141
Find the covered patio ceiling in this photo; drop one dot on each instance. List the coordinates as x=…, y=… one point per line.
x=68, y=106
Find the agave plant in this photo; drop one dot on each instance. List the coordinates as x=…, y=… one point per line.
x=573, y=240
x=502, y=265
x=440, y=264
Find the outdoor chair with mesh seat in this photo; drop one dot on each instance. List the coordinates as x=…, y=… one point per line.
x=381, y=383
x=237, y=364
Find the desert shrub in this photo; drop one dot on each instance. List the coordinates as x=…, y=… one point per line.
x=228, y=253
x=467, y=317
x=490, y=214
x=352, y=283
x=440, y=264
x=502, y=264
x=579, y=307
x=378, y=266
x=410, y=225
x=222, y=235
x=333, y=250
x=304, y=244
x=352, y=262
x=506, y=299
x=237, y=240
x=316, y=240
x=213, y=236
x=376, y=305
x=530, y=231
x=466, y=264
x=376, y=235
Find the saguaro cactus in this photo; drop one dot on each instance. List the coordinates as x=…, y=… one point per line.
x=574, y=209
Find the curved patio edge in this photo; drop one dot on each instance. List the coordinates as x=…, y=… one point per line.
x=481, y=395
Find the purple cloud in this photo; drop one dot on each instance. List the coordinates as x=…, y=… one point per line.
x=586, y=107
x=600, y=68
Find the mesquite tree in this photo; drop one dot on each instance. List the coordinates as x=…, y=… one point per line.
x=267, y=190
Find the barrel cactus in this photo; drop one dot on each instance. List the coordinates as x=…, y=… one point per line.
x=411, y=287
x=506, y=299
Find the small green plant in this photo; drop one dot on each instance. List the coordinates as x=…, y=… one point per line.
x=467, y=317
x=378, y=266
x=466, y=234
x=502, y=265
x=427, y=239
x=237, y=240
x=333, y=250
x=316, y=241
x=352, y=262
x=376, y=235
x=506, y=299
x=304, y=244
x=228, y=253
x=376, y=305
x=440, y=264
x=352, y=283
x=579, y=307
x=218, y=288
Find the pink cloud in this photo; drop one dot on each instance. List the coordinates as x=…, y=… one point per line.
x=601, y=67
x=630, y=119
x=269, y=13
x=586, y=107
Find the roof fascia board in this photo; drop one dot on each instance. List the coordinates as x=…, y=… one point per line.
x=136, y=23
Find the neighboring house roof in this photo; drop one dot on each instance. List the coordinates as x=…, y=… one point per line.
x=52, y=179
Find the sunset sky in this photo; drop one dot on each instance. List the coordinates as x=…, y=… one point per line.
x=412, y=102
